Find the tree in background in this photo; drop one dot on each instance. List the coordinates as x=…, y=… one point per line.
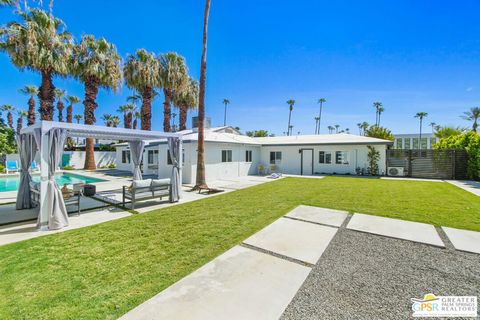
x=97, y=64
x=379, y=133
x=127, y=111
x=60, y=94
x=21, y=115
x=257, y=133
x=290, y=103
x=137, y=116
x=359, y=126
x=365, y=126
x=42, y=45
x=72, y=100
x=31, y=91
x=142, y=73
x=433, y=125
x=443, y=132
x=8, y=109
x=420, y=116
x=472, y=115
x=107, y=119
x=373, y=157
x=115, y=121
x=321, y=101
x=317, y=120
x=377, y=106
x=330, y=129
x=186, y=100
x=226, y=102
x=337, y=126
x=174, y=79
x=78, y=117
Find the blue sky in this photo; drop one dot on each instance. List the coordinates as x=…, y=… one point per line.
x=410, y=55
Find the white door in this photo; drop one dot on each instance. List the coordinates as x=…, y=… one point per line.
x=307, y=162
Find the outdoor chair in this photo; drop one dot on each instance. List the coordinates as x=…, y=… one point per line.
x=34, y=166
x=72, y=198
x=11, y=166
x=147, y=189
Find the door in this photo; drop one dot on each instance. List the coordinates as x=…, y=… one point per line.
x=307, y=162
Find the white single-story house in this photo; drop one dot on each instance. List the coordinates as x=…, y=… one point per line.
x=229, y=154
x=411, y=141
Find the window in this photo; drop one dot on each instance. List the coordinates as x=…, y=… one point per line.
x=432, y=142
x=226, y=155
x=169, y=160
x=248, y=156
x=424, y=143
x=407, y=143
x=152, y=156
x=400, y=143
x=341, y=157
x=415, y=143
x=325, y=157
x=275, y=157
x=126, y=156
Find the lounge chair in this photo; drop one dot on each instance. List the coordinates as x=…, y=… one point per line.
x=147, y=189
x=11, y=166
x=34, y=166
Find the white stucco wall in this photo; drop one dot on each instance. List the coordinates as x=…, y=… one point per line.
x=77, y=158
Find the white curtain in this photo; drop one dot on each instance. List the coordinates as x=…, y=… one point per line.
x=174, y=150
x=136, y=152
x=27, y=149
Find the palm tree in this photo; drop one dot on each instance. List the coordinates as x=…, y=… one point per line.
x=377, y=106
x=380, y=111
x=107, y=119
x=359, y=125
x=330, y=129
x=420, y=116
x=142, y=73
x=290, y=103
x=39, y=44
x=174, y=79
x=31, y=91
x=317, y=119
x=21, y=115
x=60, y=94
x=127, y=111
x=321, y=101
x=9, y=109
x=115, y=121
x=365, y=126
x=137, y=116
x=433, y=125
x=200, y=178
x=78, y=117
x=186, y=100
x=173, y=126
x=225, y=103
x=72, y=100
x=336, y=128
x=97, y=64
x=472, y=115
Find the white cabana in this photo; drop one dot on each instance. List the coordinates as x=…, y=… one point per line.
x=50, y=139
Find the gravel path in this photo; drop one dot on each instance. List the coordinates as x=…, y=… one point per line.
x=365, y=276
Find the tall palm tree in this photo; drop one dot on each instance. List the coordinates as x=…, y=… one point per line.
x=137, y=116
x=78, y=117
x=420, y=116
x=433, y=125
x=39, y=44
x=226, y=102
x=97, y=64
x=200, y=177
x=472, y=115
x=365, y=126
x=31, y=91
x=72, y=100
x=127, y=111
x=330, y=129
x=21, y=115
x=336, y=128
x=60, y=94
x=174, y=79
x=8, y=109
x=115, y=121
x=290, y=103
x=173, y=126
x=380, y=111
x=107, y=119
x=317, y=120
x=377, y=106
x=359, y=125
x=321, y=101
x=186, y=100
x=142, y=73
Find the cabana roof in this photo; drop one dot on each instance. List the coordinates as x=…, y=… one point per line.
x=101, y=132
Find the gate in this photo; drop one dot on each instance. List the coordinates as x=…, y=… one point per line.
x=434, y=164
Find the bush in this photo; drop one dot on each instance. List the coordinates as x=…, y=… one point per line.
x=379, y=133
x=69, y=167
x=2, y=168
x=470, y=142
x=112, y=166
x=373, y=158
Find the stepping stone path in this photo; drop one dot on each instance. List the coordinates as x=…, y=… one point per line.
x=400, y=229
x=329, y=217
x=464, y=240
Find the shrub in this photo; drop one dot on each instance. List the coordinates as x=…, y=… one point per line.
x=470, y=142
x=379, y=133
x=69, y=167
x=373, y=158
x=2, y=168
x=112, y=166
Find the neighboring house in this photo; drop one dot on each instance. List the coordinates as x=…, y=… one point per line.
x=411, y=141
x=228, y=154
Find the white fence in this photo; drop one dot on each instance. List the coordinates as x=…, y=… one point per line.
x=77, y=158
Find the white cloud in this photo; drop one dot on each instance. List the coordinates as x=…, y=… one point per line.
x=469, y=89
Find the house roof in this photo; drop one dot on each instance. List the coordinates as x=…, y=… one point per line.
x=323, y=139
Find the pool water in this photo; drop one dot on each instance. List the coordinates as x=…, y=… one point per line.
x=10, y=183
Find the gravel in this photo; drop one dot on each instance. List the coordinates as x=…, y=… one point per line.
x=365, y=276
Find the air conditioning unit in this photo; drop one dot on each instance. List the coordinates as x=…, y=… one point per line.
x=396, y=171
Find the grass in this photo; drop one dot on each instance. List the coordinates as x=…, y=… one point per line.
x=102, y=271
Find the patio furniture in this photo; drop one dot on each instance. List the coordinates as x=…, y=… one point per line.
x=11, y=166
x=147, y=189
x=34, y=166
x=261, y=170
x=72, y=198
x=204, y=187
x=89, y=190
x=273, y=168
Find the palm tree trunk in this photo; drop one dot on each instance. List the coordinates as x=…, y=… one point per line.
x=183, y=116
x=289, y=118
x=167, y=111
x=135, y=124
x=225, y=115
x=60, y=107
x=46, y=95
x=200, y=179
x=319, y=117
x=31, y=111
x=10, y=120
x=420, y=138
x=146, y=110
x=91, y=91
x=19, y=124
x=70, y=113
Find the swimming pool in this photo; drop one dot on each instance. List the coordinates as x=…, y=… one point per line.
x=10, y=183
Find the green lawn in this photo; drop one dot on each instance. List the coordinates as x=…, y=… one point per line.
x=100, y=272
